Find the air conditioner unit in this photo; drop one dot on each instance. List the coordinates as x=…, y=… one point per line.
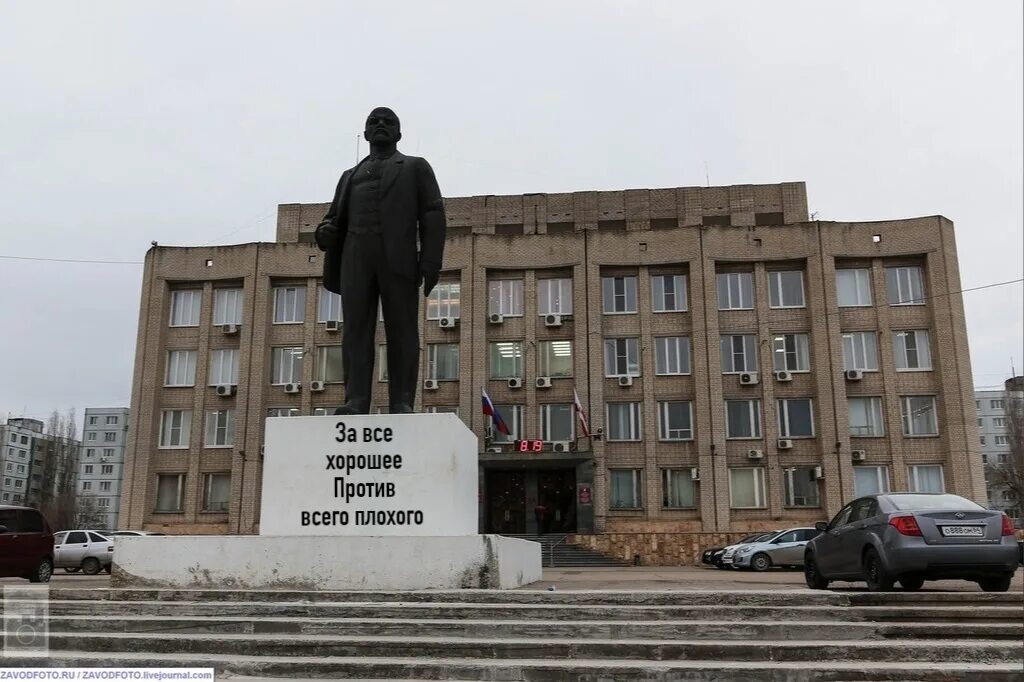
x=229, y=329
x=755, y=454
x=515, y=383
x=430, y=384
x=332, y=325
x=494, y=450
x=625, y=381
x=694, y=474
x=316, y=386
x=749, y=379
x=226, y=390
x=543, y=382
x=552, y=320
x=818, y=473
x=783, y=375
x=561, y=446
x=448, y=322
x=292, y=388
x=854, y=375
x=859, y=455
x=785, y=444
x=496, y=318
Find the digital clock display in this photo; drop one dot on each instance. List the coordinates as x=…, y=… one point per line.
x=530, y=446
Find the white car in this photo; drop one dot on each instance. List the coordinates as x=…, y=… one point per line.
x=135, y=533
x=84, y=550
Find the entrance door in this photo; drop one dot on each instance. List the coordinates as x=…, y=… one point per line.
x=556, y=500
x=506, y=502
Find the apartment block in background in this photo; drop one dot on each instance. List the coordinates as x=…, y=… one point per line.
x=101, y=466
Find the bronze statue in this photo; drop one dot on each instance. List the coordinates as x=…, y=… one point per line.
x=380, y=208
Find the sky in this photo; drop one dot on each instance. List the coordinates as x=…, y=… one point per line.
x=189, y=122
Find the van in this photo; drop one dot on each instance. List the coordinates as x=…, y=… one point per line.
x=26, y=544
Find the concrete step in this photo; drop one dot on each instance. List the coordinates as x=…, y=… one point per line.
x=189, y=644
x=580, y=629
x=533, y=670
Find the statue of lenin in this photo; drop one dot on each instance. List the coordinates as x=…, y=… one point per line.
x=382, y=207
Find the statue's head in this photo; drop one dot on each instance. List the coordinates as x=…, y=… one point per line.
x=382, y=127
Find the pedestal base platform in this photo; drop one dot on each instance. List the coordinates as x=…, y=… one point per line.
x=277, y=562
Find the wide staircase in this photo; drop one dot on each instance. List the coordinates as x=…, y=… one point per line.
x=783, y=635
x=556, y=552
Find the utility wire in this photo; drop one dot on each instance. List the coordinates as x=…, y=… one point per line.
x=74, y=260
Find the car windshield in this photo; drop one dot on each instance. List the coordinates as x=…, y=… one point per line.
x=751, y=538
x=914, y=502
x=760, y=538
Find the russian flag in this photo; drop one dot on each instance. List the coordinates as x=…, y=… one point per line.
x=493, y=413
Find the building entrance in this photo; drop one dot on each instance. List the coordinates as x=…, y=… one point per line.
x=529, y=501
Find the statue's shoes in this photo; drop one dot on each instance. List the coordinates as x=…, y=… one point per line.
x=401, y=408
x=351, y=408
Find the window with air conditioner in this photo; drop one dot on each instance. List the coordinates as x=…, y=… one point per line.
x=220, y=428
x=790, y=353
x=216, y=492
x=678, y=489
x=739, y=353
x=556, y=422
x=174, y=428
x=746, y=487
x=911, y=350
x=919, y=415
x=671, y=355
x=554, y=296
x=185, y=306
x=925, y=478
x=505, y=297
x=443, y=361
x=865, y=415
x=625, y=489
x=853, y=287
x=286, y=365
x=445, y=301
x=668, y=293
x=675, y=420
x=224, y=366
x=227, y=306
x=289, y=305
x=506, y=359
x=870, y=480
x=109, y=436
x=513, y=417
x=170, y=492
x=800, y=487
x=621, y=357
x=329, y=367
x=796, y=418
x=786, y=289
x=860, y=351
x=554, y=359
x=618, y=295
x=181, y=368
x=743, y=419
x=623, y=422
x=735, y=291
x=904, y=285
x=328, y=307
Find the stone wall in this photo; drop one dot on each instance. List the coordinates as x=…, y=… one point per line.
x=656, y=549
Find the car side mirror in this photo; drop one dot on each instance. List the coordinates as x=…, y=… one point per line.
x=822, y=526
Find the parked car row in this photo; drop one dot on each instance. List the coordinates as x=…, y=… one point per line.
x=761, y=551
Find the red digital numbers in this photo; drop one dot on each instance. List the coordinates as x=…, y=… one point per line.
x=530, y=446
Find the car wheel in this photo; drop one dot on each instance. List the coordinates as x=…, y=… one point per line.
x=911, y=583
x=719, y=565
x=72, y=569
x=43, y=572
x=997, y=584
x=760, y=562
x=91, y=566
x=812, y=577
x=875, y=575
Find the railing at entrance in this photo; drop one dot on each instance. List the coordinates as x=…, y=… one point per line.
x=551, y=550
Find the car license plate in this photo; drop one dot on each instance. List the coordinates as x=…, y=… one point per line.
x=963, y=531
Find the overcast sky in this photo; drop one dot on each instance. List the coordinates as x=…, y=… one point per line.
x=188, y=122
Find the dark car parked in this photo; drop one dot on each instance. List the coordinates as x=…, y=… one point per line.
x=713, y=555
x=26, y=544
x=910, y=538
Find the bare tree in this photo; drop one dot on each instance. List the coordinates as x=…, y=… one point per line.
x=1009, y=475
x=59, y=459
x=88, y=514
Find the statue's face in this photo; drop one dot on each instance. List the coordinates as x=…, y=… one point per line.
x=382, y=127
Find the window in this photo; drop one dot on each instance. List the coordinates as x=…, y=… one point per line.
x=86, y=485
x=919, y=415
x=443, y=361
x=285, y=365
x=106, y=469
x=289, y=305
x=800, y=488
x=104, y=486
x=618, y=294
x=227, y=306
x=181, y=368
x=220, y=428
x=678, y=489
x=870, y=480
x=554, y=359
x=866, y=417
x=506, y=359
x=786, y=289
x=556, y=423
x=668, y=293
x=505, y=297
x=87, y=469
x=995, y=404
x=1002, y=458
x=329, y=307
x=789, y=352
x=999, y=422
x=671, y=355
x=174, y=428
x=216, y=492
x=739, y=353
x=735, y=291
x=621, y=357
x=185, y=307
x=746, y=487
x=283, y=412
x=796, y=418
x=911, y=349
x=623, y=421
x=322, y=411
x=853, y=287
x=904, y=286
x=224, y=366
x=109, y=436
x=513, y=416
x=445, y=301
x=743, y=418
x=329, y=367
x=102, y=502
x=626, y=489
x=860, y=351
x=170, y=492
x=1001, y=440
x=925, y=478
x=91, y=435
x=675, y=420
x=108, y=452
x=554, y=296
x=111, y=420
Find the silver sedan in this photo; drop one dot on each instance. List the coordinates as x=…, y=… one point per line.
x=784, y=548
